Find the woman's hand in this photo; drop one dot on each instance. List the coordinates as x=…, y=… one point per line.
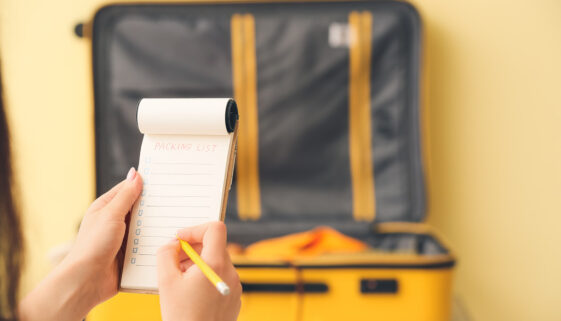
x=185, y=293
x=101, y=235
x=90, y=272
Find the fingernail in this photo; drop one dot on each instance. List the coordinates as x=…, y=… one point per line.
x=131, y=174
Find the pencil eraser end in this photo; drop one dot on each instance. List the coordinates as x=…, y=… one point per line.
x=223, y=288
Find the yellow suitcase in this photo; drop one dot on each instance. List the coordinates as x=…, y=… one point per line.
x=329, y=135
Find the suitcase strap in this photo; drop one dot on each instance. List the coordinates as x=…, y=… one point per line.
x=360, y=127
x=245, y=92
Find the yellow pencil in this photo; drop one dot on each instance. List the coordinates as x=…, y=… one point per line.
x=220, y=285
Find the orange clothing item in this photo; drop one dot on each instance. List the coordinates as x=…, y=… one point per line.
x=321, y=240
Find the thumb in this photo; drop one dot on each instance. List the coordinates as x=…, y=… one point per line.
x=123, y=200
x=168, y=263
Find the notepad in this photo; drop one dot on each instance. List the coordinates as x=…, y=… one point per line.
x=186, y=162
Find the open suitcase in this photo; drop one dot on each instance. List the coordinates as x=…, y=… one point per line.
x=329, y=135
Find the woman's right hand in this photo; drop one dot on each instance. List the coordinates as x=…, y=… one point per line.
x=185, y=293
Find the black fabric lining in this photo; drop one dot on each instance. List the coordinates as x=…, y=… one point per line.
x=419, y=266
x=285, y=287
x=404, y=266
x=184, y=50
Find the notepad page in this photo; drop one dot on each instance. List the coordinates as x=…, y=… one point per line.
x=184, y=178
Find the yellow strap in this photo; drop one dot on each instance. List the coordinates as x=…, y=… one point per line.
x=364, y=200
x=245, y=92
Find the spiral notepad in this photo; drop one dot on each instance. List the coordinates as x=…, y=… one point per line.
x=186, y=163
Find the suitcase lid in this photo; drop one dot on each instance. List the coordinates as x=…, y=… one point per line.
x=327, y=74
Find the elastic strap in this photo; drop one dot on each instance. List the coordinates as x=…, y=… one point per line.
x=360, y=136
x=245, y=92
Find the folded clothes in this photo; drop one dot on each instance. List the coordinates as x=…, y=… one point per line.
x=321, y=240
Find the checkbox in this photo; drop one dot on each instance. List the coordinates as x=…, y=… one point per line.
x=142, y=203
x=140, y=212
x=137, y=231
x=135, y=241
x=133, y=260
x=135, y=249
x=138, y=223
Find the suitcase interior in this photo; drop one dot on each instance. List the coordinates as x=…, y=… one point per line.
x=185, y=50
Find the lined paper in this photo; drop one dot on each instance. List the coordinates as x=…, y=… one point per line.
x=184, y=179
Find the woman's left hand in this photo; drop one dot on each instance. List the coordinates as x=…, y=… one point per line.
x=90, y=273
x=101, y=235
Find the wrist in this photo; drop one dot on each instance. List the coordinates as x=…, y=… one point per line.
x=67, y=293
x=80, y=283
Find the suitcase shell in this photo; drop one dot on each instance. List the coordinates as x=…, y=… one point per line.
x=329, y=99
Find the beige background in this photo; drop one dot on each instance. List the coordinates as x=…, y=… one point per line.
x=494, y=108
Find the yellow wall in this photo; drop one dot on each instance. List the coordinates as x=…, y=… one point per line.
x=47, y=86
x=494, y=108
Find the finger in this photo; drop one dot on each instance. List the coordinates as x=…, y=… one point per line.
x=214, y=241
x=193, y=234
x=212, y=235
x=198, y=247
x=122, y=202
x=185, y=265
x=167, y=259
x=101, y=201
x=232, y=278
x=184, y=260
